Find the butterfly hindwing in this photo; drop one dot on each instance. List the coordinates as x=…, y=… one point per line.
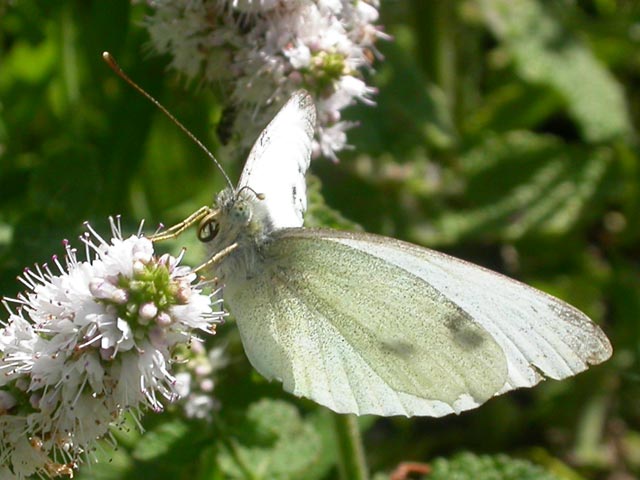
x=539, y=333
x=367, y=324
x=360, y=335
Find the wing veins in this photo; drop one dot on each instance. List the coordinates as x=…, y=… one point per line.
x=460, y=379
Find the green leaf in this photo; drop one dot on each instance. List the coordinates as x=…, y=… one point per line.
x=319, y=214
x=513, y=106
x=272, y=442
x=545, y=53
x=521, y=183
x=27, y=63
x=158, y=442
x=468, y=466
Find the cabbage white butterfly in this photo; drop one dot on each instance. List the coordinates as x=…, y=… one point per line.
x=366, y=324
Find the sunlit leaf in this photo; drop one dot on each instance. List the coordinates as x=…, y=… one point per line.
x=544, y=52
x=467, y=466
x=522, y=183
x=273, y=442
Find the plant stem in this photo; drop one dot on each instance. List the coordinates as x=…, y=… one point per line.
x=352, y=462
x=437, y=44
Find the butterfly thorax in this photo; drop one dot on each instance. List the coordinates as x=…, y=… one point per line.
x=240, y=220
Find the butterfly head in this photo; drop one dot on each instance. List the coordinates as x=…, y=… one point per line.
x=235, y=219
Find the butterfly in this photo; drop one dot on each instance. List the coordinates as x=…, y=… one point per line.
x=366, y=324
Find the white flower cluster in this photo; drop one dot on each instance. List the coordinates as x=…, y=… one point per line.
x=266, y=49
x=196, y=380
x=88, y=343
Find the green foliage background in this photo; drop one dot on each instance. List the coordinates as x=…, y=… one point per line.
x=504, y=134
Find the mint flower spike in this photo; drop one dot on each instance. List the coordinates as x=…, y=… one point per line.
x=262, y=51
x=88, y=341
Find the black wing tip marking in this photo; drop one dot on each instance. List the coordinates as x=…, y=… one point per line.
x=603, y=353
x=304, y=101
x=303, y=98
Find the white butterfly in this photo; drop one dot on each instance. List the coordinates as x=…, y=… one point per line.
x=367, y=324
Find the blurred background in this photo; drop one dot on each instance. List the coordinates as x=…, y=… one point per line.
x=504, y=134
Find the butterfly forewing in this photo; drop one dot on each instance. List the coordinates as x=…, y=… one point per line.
x=279, y=160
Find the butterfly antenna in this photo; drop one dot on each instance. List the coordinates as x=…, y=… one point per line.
x=109, y=60
x=259, y=196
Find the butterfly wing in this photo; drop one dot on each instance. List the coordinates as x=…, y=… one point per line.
x=279, y=161
x=540, y=334
x=367, y=324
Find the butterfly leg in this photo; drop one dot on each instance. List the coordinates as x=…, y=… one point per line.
x=217, y=257
x=178, y=228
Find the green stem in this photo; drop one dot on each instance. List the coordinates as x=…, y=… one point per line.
x=69, y=60
x=353, y=464
x=437, y=43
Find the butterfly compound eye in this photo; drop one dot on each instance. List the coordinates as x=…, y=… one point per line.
x=208, y=230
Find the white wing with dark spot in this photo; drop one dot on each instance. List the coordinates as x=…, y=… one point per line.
x=279, y=160
x=541, y=335
x=367, y=324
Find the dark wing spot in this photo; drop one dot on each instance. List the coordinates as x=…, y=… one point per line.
x=397, y=347
x=465, y=333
